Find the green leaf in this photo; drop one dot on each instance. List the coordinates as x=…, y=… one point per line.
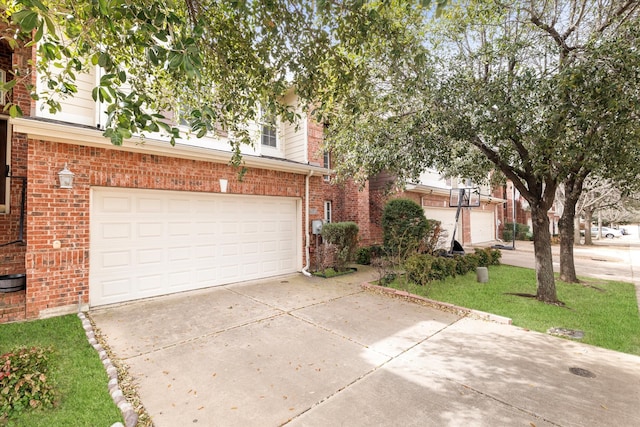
x=39, y=33
x=26, y=19
x=15, y=111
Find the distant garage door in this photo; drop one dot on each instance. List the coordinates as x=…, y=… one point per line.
x=482, y=226
x=146, y=243
x=447, y=218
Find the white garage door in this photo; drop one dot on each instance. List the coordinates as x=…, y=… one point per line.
x=482, y=226
x=447, y=218
x=148, y=242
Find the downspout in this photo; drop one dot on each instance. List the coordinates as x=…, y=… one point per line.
x=307, y=245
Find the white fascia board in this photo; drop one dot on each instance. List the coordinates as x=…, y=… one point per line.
x=78, y=135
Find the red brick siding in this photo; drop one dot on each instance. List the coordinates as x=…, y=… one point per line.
x=12, y=257
x=59, y=277
x=12, y=306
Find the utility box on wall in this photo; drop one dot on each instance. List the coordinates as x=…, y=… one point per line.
x=316, y=226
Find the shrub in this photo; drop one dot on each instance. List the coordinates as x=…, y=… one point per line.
x=404, y=228
x=472, y=260
x=23, y=381
x=442, y=267
x=494, y=256
x=365, y=254
x=418, y=268
x=464, y=264
x=522, y=232
x=344, y=235
x=435, y=237
x=483, y=257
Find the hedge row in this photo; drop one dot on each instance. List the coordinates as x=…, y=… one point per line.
x=423, y=268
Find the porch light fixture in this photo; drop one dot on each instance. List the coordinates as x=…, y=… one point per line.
x=66, y=177
x=223, y=185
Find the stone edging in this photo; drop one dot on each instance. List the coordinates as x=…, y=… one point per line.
x=128, y=413
x=476, y=314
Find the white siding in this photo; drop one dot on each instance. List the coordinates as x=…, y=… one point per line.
x=79, y=109
x=295, y=140
x=433, y=178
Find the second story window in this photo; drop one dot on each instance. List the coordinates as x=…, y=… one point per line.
x=269, y=133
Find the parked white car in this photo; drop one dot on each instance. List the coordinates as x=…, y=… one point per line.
x=607, y=232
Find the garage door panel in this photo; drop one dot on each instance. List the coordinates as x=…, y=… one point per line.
x=482, y=226
x=114, y=231
x=150, y=282
x=176, y=254
x=116, y=288
x=113, y=204
x=147, y=243
x=150, y=205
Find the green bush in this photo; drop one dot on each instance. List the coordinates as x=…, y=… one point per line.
x=418, y=268
x=522, y=232
x=23, y=381
x=442, y=267
x=424, y=268
x=365, y=254
x=404, y=228
x=344, y=235
x=483, y=257
x=494, y=256
x=464, y=264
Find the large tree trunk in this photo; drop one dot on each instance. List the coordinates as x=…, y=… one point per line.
x=544, y=260
x=573, y=188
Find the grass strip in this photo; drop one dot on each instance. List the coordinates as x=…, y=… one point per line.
x=606, y=311
x=82, y=397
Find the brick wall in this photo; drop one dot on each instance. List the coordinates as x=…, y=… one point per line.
x=59, y=277
x=12, y=257
x=12, y=306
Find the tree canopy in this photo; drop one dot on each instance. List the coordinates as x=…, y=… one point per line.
x=214, y=64
x=542, y=92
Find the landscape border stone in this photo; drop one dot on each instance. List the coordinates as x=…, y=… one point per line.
x=461, y=311
x=128, y=413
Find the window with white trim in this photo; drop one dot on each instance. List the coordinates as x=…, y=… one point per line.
x=328, y=211
x=326, y=159
x=269, y=131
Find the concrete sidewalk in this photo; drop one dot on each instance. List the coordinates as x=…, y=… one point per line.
x=314, y=352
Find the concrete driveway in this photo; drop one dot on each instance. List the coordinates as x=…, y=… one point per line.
x=313, y=352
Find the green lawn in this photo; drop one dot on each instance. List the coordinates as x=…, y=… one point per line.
x=606, y=311
x=80, y=380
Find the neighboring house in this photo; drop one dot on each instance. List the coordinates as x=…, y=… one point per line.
x=476, y=225
x=148, y=219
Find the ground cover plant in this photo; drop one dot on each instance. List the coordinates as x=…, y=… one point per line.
x=78, y=381
x=606, y=311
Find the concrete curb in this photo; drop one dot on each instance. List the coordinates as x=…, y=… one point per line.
x=128, y=413
x=462, y=311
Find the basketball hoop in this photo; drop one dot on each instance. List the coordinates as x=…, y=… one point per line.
x=464, y=197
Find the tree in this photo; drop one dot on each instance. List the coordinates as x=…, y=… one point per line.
x=601, y=195
x=214, y=64
x=538, y=90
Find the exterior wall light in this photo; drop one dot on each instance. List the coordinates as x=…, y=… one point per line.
x=66, y=177
x=223, y=185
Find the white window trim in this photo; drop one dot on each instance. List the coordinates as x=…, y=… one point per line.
x=268, y=150
x=328, y=211
x=326, y=159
